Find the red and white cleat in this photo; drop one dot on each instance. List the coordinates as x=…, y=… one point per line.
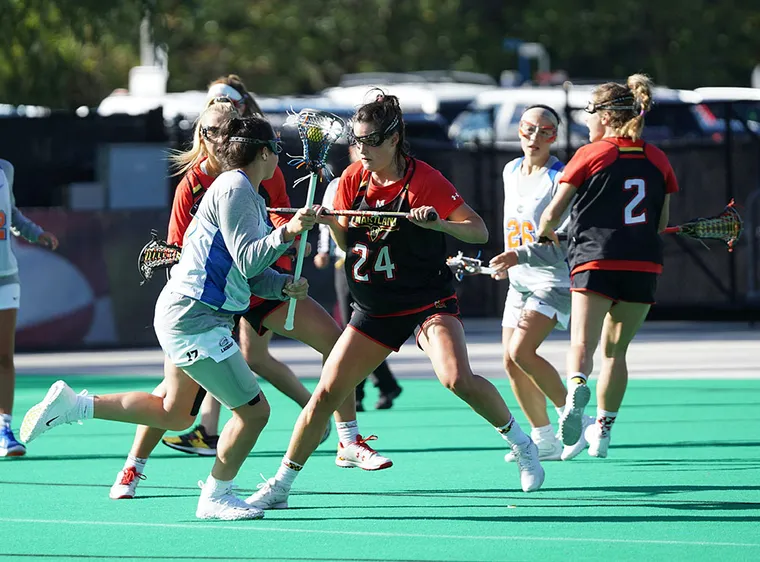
x=126, y=484
x=361, y=455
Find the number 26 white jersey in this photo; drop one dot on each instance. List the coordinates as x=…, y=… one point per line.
x=525, y=198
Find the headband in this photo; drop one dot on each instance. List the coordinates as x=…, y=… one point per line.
x=224, y=91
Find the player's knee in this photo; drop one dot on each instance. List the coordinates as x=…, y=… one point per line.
x=458, y=381
x=255, y=414
x=176, y=421
x=615, y=349
x=522, y=354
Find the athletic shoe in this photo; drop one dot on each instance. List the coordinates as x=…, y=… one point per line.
x=572, y=451
x=361, y=455
x=270, y=495
x=549, y=449
x=598, y=442
x=126, y=483
x=194, y=442
x=9, y=447
x=531, y=472
x=60, y=405
x=326, y=434
x=224, y=505
x=386, y=399
x=571, y=420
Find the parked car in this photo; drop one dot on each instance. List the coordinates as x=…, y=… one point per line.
x=745, y=106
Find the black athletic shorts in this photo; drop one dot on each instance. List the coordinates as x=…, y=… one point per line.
x=257, y=314
x=627, y=286
x=393, y=331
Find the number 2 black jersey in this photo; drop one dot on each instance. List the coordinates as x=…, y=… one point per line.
x=615, y=217
x=394, y=267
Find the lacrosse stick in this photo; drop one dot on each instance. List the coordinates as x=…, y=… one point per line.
x=156, y=254
x=431, y=216
x=318, y=130
x=461, y=265
x=726, y=226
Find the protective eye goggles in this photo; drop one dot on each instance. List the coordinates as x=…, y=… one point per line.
x=275, y=145
x=375, y=138
x=207, y=132
x=546, y=132
x=611, y=105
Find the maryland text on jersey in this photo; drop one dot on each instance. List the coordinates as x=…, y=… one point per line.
x=378, y=228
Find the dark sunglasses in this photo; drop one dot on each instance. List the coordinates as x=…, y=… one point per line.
x=375, y=138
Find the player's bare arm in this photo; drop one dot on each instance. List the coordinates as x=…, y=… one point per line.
x=463, y=223
x=552, y=215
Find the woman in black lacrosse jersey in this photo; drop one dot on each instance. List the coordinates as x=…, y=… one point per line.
x=400, y=284
x=622, y=189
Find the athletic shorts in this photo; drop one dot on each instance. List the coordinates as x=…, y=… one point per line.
x=10, y=296
x=552, y=303
x=626, y=286
x=257, y=314
x=393, y=331
x=213, y=360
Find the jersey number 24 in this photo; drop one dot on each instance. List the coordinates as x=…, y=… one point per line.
x=382, y=263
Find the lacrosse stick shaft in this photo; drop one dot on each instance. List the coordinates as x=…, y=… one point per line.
x=290, y=319
x=431, y=216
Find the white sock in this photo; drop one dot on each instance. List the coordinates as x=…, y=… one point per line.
x=543, y=433
x=574, y=379
x=559, y=410
x=86, y=405
x=287, y=473
x=604, y=420
x=512, y=433
x=348, y=432
x=5, y=420
x=137, y=462
x=217, y=487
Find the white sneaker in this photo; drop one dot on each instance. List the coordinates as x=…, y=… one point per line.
x=224, y=505
x=60, y=405
x=531, y=472
x=571, y=420
x=126, y=484
x=269, y=496
x=549, y=449
x=598, y=443
x=361, y=455
x=572, y=451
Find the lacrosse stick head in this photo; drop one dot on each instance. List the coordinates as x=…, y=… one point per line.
x=462, y=265
x=156, y=254
x=318, y=131
x=727, y=226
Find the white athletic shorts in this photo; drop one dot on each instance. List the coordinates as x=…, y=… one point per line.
x=213, y=360
x=552, y=303
x=10, y=296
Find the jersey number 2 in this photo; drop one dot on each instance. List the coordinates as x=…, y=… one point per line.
x=3, y=230
x=639, y=187
x=383, y=263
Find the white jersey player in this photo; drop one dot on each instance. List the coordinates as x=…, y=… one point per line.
x=538, y=299
x=12, y=223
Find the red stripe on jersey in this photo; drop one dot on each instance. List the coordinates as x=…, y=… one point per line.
x=619, y=265
x=414, y=310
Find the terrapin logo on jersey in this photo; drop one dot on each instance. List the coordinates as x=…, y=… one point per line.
x=378, y=228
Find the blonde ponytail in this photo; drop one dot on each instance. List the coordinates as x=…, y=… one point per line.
x=640, y=86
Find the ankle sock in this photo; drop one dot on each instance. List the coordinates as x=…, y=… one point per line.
x=348, y=432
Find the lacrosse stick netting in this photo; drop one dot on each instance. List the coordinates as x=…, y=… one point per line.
x=156, y=254
x=727, y=226
x=318, y=131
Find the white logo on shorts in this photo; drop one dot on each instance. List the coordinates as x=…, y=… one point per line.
x=225, y=343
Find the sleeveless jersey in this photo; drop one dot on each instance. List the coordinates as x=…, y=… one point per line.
x=615, y=218
x=525, y=198
x=394, y=267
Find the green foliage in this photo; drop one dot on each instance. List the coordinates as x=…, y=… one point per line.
x=68, y=53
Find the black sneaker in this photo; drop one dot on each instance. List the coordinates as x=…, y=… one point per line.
x=386, y=398
x=194, y=442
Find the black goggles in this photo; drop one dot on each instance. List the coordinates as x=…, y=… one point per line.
x=375, y=138
x=611, y=105
x=275, y=145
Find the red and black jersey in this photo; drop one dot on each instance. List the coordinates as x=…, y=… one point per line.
x=393, y=266
x=616, y=213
